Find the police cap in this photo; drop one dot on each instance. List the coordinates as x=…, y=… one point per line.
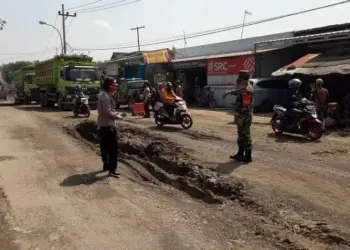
x=244, y=75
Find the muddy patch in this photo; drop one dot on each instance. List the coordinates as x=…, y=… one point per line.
x=173, y=164
x=6, y=234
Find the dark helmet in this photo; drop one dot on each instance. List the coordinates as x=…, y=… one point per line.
x=294, y=83
x=169, y=86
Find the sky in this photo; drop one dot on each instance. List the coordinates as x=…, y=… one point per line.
x=24, y=39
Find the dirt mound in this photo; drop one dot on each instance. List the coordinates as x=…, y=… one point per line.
x=169, y=162
x=172, y=164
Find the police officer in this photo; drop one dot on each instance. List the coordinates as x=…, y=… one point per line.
x=243, y=112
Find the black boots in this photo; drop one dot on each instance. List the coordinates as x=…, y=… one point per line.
x=247, y=158
x=243, y=155
x=239, y=155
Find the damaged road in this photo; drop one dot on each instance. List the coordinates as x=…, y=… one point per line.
x=285, y=199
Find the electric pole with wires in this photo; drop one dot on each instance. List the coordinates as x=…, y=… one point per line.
x=138, y=35
x=64, y=17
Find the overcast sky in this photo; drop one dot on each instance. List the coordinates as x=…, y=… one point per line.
x=22, y=34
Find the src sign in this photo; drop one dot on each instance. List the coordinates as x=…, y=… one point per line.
x=230, y=66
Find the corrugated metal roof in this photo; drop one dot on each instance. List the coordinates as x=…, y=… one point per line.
x=307, y=36
x=322, y=29
x=316, y=64
x=197, y=58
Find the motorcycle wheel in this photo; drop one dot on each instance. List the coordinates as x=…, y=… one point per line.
x=278, y=120
x=212, y=104
x=314, y=136
x=186, y=122
x=75, y=113
x=158, y=120
x=87, y=113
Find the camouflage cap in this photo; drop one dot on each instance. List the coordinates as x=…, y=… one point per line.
x=243, y=74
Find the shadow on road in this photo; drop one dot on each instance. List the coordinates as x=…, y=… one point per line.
x=226, y=168
x=6, y=104
x=287, y=138
x=83, y=179
x=37, y=109
x=6, y=158
x=167, y=129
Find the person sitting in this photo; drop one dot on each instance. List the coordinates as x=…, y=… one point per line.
x=168, y=99
x=78, y=95
x=295, y=99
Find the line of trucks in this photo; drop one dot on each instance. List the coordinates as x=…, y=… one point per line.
x=54, y=81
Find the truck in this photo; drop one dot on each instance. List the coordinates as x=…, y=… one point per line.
x=59, y=77
x=26, y=89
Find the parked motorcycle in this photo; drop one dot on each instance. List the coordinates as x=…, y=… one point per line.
x=83, y=107
x=309, y=125
x=180, y=116
x=206, y=98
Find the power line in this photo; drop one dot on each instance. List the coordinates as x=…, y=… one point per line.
x=219, y=30
x=81, y=12
x=69, y=25
x=104, y=5
x=83, y=5
x=52, y=32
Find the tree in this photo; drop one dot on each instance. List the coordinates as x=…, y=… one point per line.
x=8, y=69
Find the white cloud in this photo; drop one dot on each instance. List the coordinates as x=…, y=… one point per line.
x=103, y=24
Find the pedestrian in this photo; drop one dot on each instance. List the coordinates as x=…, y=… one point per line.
x=321, y=99
x=147, y=95
x=178, y=89
x=243, y=116
x=107, y=127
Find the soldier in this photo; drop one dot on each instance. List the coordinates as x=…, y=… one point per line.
x=243, y=112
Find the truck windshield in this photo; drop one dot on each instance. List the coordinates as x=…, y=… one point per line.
x=82, y=74
x=30, y=79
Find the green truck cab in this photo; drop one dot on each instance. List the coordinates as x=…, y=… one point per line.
x=58, y=78
x=26, y=89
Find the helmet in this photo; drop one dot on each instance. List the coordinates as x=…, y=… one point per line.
x=169, y=86
x=294, y=83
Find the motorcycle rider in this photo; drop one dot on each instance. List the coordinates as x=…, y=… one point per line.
x=295, y=98
x=168, y=99
x=78, y=95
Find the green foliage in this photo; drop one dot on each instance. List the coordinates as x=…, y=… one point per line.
x=8, y=69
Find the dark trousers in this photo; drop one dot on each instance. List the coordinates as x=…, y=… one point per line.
x=169, y=108
x=146, y=108
x=109, y=148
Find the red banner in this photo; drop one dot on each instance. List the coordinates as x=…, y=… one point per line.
x=230, y=66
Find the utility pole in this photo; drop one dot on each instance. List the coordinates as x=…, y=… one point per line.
x=185, y=43
x=245, y=14
x=138, y=35
x=64, y=17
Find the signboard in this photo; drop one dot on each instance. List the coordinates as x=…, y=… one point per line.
x=189, y=64
x=230, y=66
x=159, y=56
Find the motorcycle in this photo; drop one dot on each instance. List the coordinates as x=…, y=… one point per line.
x=309, y=125
x=83, y=107
x=206, y=98
x=180, y=115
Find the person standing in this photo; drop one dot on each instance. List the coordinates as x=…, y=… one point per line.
x=243, y=116
x=147, y=95
x=107, y=127
x=178, y=89
x=321, y=98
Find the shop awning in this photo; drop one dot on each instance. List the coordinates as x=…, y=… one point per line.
x=317, y=65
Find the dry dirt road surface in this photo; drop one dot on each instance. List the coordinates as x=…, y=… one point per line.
x=53, y=202
x=53, y=197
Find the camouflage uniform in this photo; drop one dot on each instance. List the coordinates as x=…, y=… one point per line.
x=243, y=118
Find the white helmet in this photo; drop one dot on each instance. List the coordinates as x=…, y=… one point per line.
x=294, y=83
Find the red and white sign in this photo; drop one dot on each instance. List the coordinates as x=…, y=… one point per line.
x=230, y=66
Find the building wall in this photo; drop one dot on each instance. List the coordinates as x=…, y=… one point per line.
x=227, y=47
